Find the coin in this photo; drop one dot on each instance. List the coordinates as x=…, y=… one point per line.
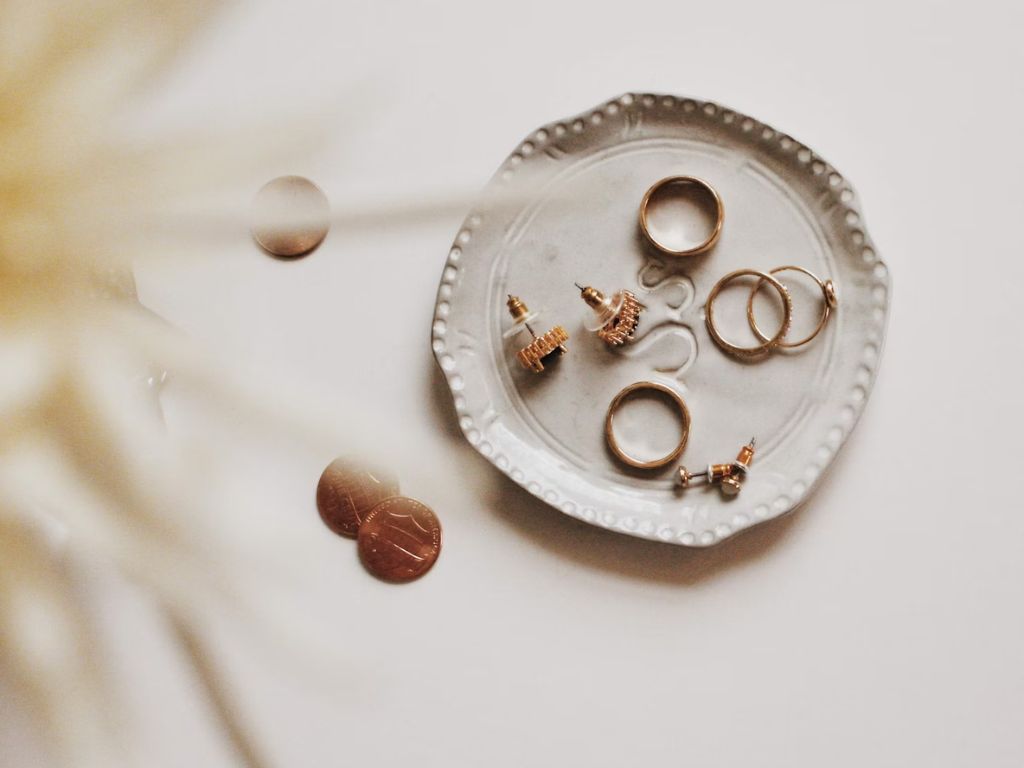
x=347, y=491
x=290, y=216
x=399, y=539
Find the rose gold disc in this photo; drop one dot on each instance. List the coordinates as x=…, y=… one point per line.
x=290, y=216
x=347, y=491
x=399, y=540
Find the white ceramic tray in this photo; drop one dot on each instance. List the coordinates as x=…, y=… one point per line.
x=563, y=209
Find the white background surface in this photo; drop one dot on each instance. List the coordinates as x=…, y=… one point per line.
x=881, y=624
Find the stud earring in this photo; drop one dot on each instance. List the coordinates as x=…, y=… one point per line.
x=614, y=318
x=540, y=349
x=729, y=477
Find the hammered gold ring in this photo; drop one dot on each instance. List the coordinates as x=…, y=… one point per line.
x=830, y=302
x=702, y=193
x=619, y=399
x=768, y=343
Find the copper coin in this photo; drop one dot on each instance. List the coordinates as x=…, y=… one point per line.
x=290, y=216
x=347, y=491
x=399, y=539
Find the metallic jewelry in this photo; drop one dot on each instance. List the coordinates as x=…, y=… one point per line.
x=728, y=477
x=700, y=189
x=615, y=317
x=767, y=344
x=609, y=424
x=828, y=292
x=541, y=349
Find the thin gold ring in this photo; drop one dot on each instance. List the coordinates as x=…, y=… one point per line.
x=768, y=344
x=609, y=424
x=828, y=293
x=703, y=186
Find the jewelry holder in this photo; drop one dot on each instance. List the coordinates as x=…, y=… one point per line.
x=563, y=208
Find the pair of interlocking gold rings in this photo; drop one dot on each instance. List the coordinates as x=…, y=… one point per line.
x=777, y=341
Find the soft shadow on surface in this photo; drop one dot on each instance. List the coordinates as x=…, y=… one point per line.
x=600, y=548
x=629, y=556
x=441, y=403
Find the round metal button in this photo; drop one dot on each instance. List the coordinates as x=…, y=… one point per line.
x=290, y=216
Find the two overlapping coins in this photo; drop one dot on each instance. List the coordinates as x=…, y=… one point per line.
x=399, y=538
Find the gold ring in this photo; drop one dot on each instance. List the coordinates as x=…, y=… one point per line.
x=768, y=344
x=609, y=426
x=828, y=292
x=701, y=187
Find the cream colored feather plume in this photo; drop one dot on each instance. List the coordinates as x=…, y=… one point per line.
x=86, y=471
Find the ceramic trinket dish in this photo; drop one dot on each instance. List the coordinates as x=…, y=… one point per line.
x=563, y=208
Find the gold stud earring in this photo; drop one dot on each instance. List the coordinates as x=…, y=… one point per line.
x=728, y=477
x=540, y=349
x=614, y=318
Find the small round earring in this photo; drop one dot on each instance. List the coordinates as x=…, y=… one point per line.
x=728, y=477
x=614, y=318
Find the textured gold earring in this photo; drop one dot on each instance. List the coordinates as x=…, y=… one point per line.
x=614, y=318
x=540, y=349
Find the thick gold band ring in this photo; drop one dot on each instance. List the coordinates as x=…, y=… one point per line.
x=768, y=344
x=609, y=425
x=703, y=190
x=828, y=293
